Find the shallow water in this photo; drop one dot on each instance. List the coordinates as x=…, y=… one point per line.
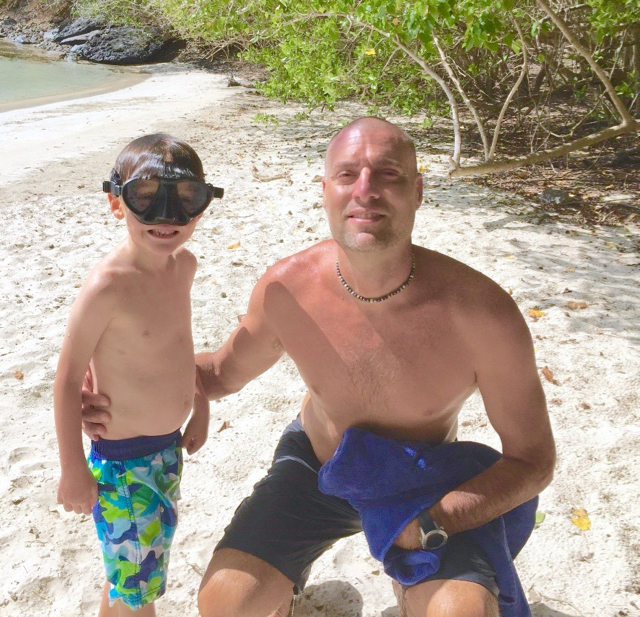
x=30, y=76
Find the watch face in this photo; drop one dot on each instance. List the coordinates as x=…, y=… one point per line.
x=434, y=539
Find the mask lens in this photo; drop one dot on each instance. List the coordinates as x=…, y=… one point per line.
x=193, y=196
x=139, y=194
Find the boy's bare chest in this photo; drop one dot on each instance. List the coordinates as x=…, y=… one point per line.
x=152, y=317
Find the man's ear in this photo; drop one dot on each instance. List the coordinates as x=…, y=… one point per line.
x=419, y=189
x=324, y=187
x=116, y=206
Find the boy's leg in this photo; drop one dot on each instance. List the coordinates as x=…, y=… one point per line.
x=136, y=517
x=121, y=610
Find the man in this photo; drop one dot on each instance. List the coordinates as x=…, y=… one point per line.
x=388, y=337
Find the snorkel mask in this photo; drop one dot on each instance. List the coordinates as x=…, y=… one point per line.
x=164, y=201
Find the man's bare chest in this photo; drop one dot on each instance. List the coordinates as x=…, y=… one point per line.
x=358, y=359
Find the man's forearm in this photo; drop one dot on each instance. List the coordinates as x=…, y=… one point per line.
x=500, y=488
x=209, y=377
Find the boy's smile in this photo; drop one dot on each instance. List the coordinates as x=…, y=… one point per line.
x=163, y=231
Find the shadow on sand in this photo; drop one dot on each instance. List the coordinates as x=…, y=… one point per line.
x=341, y=599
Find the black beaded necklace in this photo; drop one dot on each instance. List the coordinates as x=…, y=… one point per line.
x=380, y=298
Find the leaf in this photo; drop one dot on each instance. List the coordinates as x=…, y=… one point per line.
x=235, y=245
x=19, y=375
x=574, y=306
x=369, y=52
x=225, y=425
x=540, y=516
x=580, y=519
x=548, y=375
x=535, y=314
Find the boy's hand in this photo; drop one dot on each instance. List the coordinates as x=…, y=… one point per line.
x=195, y=434
x=78, y=491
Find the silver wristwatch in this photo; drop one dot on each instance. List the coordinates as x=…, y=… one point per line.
x=432, y=535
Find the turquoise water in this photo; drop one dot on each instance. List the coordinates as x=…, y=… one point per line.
x=29, y=76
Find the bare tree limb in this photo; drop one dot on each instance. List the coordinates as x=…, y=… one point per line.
x=624, y=113
x=545, y=155
x=457, y=138
x=503, y=111
x=465, y=98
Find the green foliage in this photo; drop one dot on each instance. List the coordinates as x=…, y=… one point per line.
x=266, y=119
x=322, y=51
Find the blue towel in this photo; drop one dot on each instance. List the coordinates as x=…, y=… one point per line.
x=389, y=482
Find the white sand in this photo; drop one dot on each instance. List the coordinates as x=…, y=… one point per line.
x=57, y=225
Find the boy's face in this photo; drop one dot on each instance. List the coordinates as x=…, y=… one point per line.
x=160, y=240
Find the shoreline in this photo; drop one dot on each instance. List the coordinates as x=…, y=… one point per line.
x=582, y=285
x=126, y=81
x=114, y=77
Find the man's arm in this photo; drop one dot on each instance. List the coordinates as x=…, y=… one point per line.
x=514, y=400
x=252, y=348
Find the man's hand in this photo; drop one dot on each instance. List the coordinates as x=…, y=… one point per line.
x=195, y=434
x=78, y=491
x=95, y=416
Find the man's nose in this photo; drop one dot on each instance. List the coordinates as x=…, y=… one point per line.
x=365, y=186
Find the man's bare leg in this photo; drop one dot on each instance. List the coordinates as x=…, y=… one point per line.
x=237, y=584
x=446, y=598
x=122, y=610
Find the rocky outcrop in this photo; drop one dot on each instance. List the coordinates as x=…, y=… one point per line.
x=86, y=39
x=127, y=45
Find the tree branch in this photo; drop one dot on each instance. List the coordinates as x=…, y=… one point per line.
x=545, y=155
x=465, y=98
x=624, y=113
x=523, y=72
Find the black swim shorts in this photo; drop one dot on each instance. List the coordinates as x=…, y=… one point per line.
x=289, y=523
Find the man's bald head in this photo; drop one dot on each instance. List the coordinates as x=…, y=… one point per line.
x=366, y=123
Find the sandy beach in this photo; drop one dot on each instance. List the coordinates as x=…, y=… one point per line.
x=578, y=289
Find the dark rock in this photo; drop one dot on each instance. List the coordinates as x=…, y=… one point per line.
x=9, y=22
x=76, y=28
x=128, y=45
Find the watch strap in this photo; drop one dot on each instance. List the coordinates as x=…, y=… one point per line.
x=432, y=535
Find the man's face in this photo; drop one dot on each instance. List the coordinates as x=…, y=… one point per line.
x=371, y=186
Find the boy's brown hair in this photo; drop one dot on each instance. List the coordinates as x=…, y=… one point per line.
x=158, y=155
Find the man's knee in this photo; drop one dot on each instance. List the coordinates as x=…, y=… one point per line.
x=446, y=598
x=239, y=585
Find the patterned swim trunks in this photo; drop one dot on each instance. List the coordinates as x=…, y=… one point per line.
x=136, y=513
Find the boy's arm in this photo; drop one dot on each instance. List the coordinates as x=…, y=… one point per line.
x=252, y=348
x=89, y=317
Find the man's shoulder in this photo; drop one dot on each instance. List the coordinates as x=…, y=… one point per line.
x=301, y=266
x=465, y=287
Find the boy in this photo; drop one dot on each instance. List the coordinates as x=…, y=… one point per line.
x=131, y=323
